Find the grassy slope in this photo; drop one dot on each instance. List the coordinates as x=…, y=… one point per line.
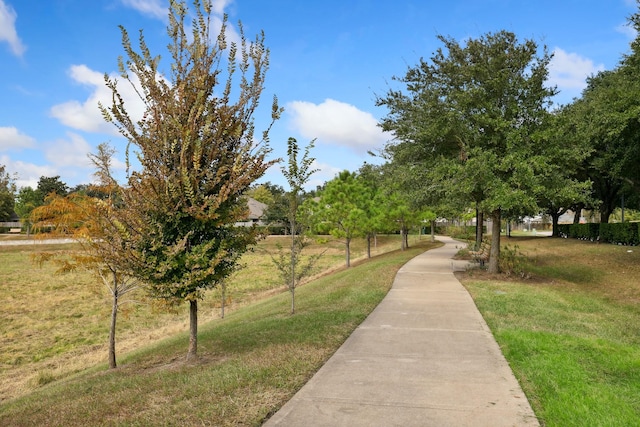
x=571, y=332
x=53, y=325
x=250, y=363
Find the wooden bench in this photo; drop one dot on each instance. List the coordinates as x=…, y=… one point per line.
x=482, y=254
x=15, y=230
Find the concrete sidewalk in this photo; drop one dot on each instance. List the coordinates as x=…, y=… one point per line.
x=424, y=357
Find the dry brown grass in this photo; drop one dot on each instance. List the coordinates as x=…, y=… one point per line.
x=609, y=270
x=54, y=325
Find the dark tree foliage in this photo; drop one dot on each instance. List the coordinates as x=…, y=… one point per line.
x=7, y=194
x=468, y=121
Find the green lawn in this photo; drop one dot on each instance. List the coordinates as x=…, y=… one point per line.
x=571, y=332
x=250, y=363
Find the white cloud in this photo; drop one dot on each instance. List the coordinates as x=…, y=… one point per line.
x=11, y=137
x=86, y=116
x=628, y=30
x=72, y=151
x=219, y=6
x=325, y=172
x=28, y=173
x=569, y=71
x=153, y=8
x=156, y=8
x=8, y=31
x=338, y=123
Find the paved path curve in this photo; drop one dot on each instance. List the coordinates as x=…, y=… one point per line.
x=424, y=357
x=33, y=241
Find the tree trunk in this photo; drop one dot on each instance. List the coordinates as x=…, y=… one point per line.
x=193, y=330
x=406, y=238
x=224, y=299
x=369, y=245
x=112, y=329
x=479, y=224
x=348, y=251
x=577, y=213
x=402, y=247
x=555, y=217
x=292, y=283
x=494, y=255
x=433, y=230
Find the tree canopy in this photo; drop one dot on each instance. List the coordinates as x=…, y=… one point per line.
x=341, y=209
x=469, y=120
x=7, y=194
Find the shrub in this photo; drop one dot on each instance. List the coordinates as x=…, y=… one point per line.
x=625, y=233
x=513, y=262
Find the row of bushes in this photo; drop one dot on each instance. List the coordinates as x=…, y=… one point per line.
x=624, y=233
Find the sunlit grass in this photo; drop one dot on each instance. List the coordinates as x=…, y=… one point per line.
x=249, y=363
x=572, y=332
x=54, y=325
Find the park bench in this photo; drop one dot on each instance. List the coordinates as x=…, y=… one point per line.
x=15, y=230
x=482, y=254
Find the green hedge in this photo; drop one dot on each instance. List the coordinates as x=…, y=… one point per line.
x=456, y=231
x=627, y=233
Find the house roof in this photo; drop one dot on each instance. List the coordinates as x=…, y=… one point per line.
x=256, y=208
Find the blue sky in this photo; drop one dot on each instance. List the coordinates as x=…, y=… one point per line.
x=329, y=59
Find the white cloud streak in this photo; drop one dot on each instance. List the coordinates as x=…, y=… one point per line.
x=152, y=8
x=156, y=9
x=569, y=71
x=337, y=123
x=86, y=116
x=628, y=30
x=28, y=173
x=8, y=31
x=72, y=151
x=12, y=138
x=219, y=6
x=325, y=172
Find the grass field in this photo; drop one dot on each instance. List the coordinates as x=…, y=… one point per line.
x=571, y=332
x=249, y=363
x=52, y=325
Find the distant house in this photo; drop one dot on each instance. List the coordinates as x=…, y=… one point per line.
x=256, y=213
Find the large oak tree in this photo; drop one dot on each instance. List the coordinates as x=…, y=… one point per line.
x=470, y=118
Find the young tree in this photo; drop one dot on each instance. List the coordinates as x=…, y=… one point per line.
x=7, y=194
x=371, y=176
x=26, y=201
x=341, y=209
x=472, y=113
x=276, y=213
x=51, y=184
x=261, y=193
x=297, y=173
x=197, y=153
x=94, y=224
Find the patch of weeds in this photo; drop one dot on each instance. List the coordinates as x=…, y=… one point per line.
x=43, y=378
x=513, y=262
